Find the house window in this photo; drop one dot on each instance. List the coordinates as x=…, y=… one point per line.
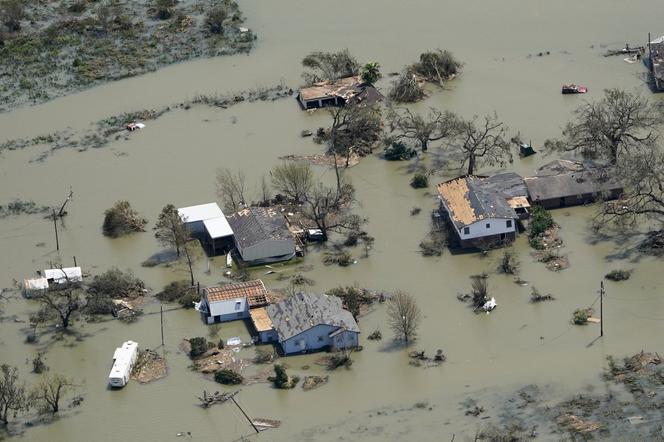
x=509, y=223
x=321, y=338
x=488, y=225
x=466, y=230
x=238, y=305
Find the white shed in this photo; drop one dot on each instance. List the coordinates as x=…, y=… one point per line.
x=61, y=276
x=195, y=216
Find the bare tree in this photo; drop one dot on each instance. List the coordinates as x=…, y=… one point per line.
x=293, y=179
x=403, y=316
x=13, y=397
x=189, y=254
x=265, y=191
x=482, y=142
x=642, y=175
x=618, y=123
x=51, y=389
x=62, y=303
x=355, y=130
x=329, y=66
x=331, y=210
x=169, y=228
x=423, y=129
x=231, y=188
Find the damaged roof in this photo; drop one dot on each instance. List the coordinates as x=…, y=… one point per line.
x=300, y=312
x=564, y=178
x=471, y=199
x=254, y=225
x=254, y=291
x=349, y=89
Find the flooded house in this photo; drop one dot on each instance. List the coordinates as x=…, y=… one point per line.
x=231, y=302
x=51, y=278
x=262, y=235
x=338, y=93
x=307, y=322
x=564, y=183
x=208, y=223
x=483, y=211
x=656, y=63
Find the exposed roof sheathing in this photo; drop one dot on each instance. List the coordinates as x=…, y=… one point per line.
x=261, y=320
x=254, y=291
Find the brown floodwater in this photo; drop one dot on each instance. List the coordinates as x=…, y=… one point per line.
x=174, y=160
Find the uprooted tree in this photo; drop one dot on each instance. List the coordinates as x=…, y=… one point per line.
x=121, y=219
x=403, y=316
x=329, y=66
x=481, y=142
x=406, y=88
x=422, y=129
x=170, y=230
x=620, y=123
x=437, y=66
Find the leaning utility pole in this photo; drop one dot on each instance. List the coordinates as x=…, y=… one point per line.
x=245, y=414
x=601, y=309
x=55, y=225
x=161, y=312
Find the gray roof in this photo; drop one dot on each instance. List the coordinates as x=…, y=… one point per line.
x=563, y=178
x=509, y=184
x=300, y=312
x=254, y=225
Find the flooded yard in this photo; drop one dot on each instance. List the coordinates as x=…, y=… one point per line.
x=174, y=160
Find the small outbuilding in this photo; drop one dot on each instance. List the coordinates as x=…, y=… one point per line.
x=232, y=301
x=208, y=223
x=564, y=183
x=308, y=322
x=262, y=235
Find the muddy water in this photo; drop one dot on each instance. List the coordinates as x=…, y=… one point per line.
x=174, y=160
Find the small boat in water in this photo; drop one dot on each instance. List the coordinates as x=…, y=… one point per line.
x=574, y=89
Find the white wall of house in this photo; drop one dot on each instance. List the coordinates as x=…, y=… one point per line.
x=267, y=249
x=318, y=337
x=479, y=229
x=228, y=310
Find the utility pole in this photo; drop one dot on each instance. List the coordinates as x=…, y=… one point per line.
x=55, y=225
x=161, y=313
x=245, y=414
x=601, y=309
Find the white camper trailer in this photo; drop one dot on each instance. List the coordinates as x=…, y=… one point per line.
x=124, y=359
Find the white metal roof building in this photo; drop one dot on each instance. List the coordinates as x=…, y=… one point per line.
x=209, y=223
x=61, y=276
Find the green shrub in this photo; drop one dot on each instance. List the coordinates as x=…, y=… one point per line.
x=281, y=379
x=181, y=292
x=618, y=275
x=398, y=151
x=214, y=20
x=580, y=316
x=419, y=181
x=199, y=345
x=121, y=219
x=227, y=376
x=540, y=221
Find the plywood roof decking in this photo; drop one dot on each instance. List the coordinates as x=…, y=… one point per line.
x=260, y=319
x=254, y=291
x=518, y=202
x=455, y=194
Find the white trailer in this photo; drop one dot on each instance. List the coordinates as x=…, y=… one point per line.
x=124, y=359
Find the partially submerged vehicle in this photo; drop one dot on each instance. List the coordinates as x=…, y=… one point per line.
x=124, y=359
x=574, y=89
x=135, y=126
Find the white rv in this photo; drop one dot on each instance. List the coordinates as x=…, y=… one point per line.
x=124, y=359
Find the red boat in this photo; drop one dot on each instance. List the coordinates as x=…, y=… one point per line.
x=574, y=89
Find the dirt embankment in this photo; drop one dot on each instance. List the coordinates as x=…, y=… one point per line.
x=51, y=49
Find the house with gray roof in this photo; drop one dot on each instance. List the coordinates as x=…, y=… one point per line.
x=564, y=183
x=261, y=235
x=308, y=322
x=483, y=212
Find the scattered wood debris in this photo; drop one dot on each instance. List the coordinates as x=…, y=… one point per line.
x=150, y=366
x=311, y=382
